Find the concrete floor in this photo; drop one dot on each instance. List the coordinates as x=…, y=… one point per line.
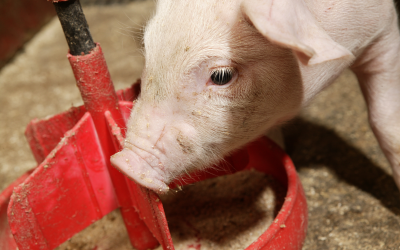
x=353, y=202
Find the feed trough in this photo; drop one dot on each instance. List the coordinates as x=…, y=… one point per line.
x=74, y=184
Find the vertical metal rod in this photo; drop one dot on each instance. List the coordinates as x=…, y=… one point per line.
x=76, y=29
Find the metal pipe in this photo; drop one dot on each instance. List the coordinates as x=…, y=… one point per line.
x=76, y=29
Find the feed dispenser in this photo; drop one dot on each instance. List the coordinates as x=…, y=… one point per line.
x=74, y=184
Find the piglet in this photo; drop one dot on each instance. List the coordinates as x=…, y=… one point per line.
x=220, y=73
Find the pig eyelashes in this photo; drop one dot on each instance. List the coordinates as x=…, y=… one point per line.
x=222, y=76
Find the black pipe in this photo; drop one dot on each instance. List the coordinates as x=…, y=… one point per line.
x=76, y=29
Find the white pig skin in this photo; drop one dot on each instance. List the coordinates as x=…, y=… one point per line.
x=282, y=53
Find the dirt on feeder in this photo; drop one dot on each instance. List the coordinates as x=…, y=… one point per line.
x=228, y=212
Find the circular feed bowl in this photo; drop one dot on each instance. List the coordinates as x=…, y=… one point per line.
x=289, y=228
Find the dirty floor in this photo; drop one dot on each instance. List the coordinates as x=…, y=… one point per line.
x=352, y=199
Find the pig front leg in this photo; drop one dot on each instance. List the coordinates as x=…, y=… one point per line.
x=378, y=72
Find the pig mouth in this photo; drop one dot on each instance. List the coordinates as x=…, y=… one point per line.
x=141, y=167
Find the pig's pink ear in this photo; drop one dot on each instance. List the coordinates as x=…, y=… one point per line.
x=290, y=24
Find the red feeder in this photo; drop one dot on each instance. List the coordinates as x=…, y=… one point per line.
x=75, y=185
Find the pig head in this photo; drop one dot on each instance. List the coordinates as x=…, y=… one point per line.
x=219, y=74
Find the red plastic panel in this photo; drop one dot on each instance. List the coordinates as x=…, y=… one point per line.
x=6, y=238
x=130, y=94
x=69, y=191
x=151, y=211
x=7, y=241
x=44, y=135
x=140, y=236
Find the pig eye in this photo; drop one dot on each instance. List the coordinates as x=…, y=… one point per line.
x=222, y=76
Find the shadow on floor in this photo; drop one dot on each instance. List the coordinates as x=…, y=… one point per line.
x=311, y=146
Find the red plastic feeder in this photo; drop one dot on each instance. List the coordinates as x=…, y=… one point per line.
x=75, y=185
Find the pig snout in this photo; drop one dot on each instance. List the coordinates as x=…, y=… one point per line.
x=140, y=170
x=155, y=147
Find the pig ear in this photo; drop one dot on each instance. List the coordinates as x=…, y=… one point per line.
x=290, y=24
